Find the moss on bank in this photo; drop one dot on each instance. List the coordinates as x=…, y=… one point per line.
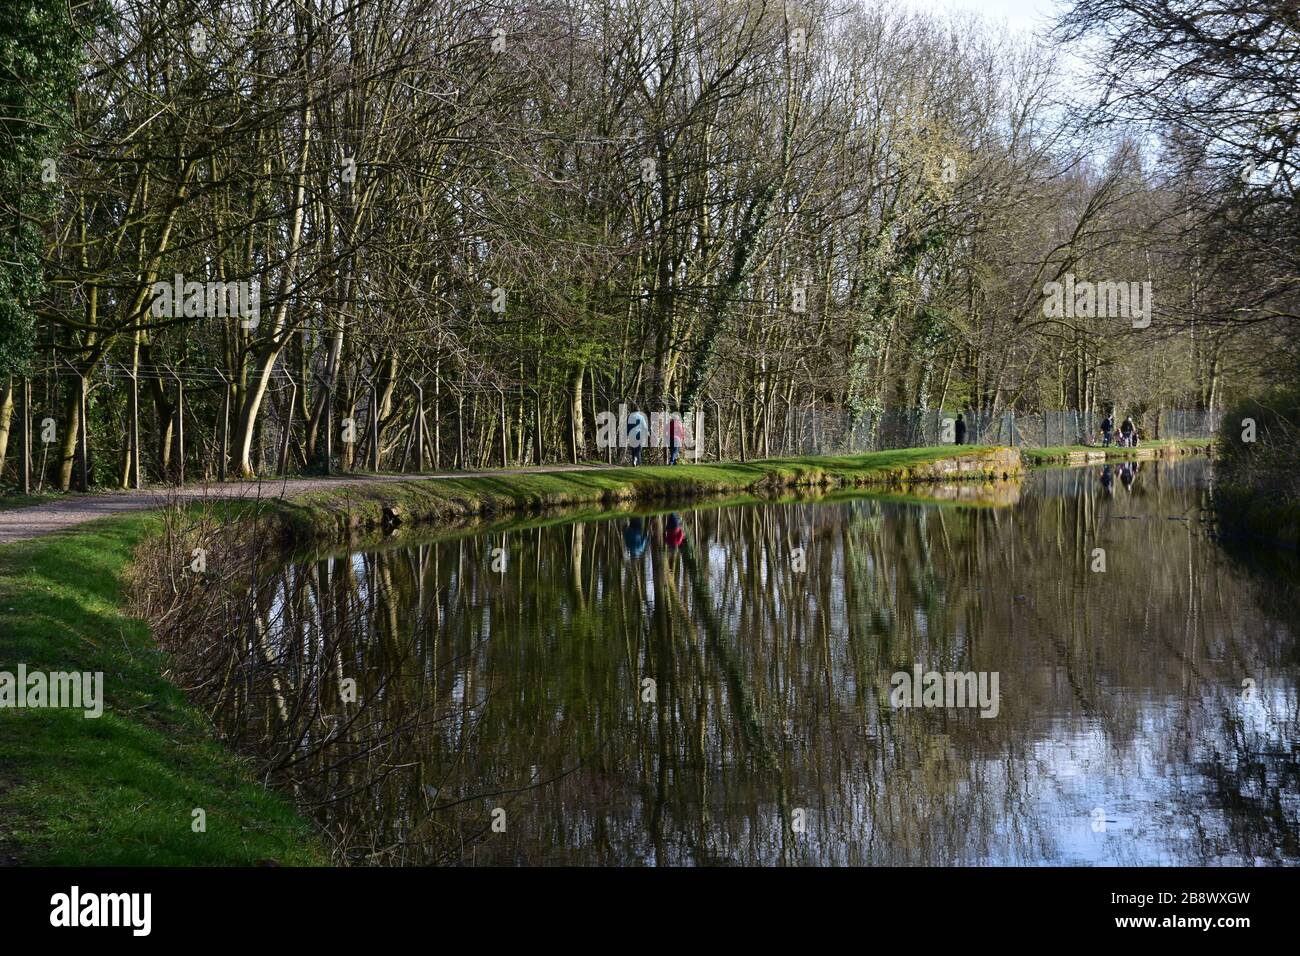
x=1066, y=454
x=335, y=513
x=120, y=789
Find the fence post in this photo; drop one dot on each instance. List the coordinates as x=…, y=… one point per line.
x=133, y=407
x=437, y=416
x=328, y=416
x=417, y=423
x=537, y=425
x=288, y=428
x=83, y=456
x=460, y=426
x=25, y=448
x=505, y=452
x=180, y=427
x=374, y=423
x=329, y=428
x=718, y=425
x=225, y=425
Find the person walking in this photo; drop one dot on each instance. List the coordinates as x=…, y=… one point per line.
x=1107, y=430
x=1127, y=431
x=961, y=429
x=676, y=435
x=637, y=430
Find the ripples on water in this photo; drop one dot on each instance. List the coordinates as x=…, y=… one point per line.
x=521, y=696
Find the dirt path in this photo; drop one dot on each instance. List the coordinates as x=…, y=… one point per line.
x=18, y=524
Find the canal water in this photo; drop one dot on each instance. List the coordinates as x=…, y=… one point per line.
x=717, y=685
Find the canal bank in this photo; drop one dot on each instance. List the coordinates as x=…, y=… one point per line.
x=1092, y=454
x=339, y=515
x=148, y=783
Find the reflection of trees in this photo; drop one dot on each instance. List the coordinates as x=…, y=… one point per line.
x=522, y=689
x=1256, y=773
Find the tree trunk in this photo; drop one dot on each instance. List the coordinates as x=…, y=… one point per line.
x=68, y=443
x=6, y=416
x=577, y=436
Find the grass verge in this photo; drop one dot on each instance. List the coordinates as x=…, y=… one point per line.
x=120, y=789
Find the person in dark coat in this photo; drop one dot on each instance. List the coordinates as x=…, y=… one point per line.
x=961, y=429
x=676, y=435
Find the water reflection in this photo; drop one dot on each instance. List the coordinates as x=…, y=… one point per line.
x=711, y=686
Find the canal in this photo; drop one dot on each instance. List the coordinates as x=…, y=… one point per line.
x=718, y=685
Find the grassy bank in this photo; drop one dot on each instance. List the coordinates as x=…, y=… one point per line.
x=1074, y=454
x=334, y=513
x=120, y=789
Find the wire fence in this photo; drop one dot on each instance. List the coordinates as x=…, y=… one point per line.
x=813, y=431
x=185, y=428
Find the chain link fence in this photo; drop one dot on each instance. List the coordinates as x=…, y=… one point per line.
x=812, y=431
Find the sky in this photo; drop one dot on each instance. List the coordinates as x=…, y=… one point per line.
x=1027, y=16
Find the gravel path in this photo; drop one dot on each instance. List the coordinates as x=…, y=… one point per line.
x=17, y=524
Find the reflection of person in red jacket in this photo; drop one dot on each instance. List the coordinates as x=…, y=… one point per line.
x=674, y=536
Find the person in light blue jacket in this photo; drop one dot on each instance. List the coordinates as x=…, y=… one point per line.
x=638, y=430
